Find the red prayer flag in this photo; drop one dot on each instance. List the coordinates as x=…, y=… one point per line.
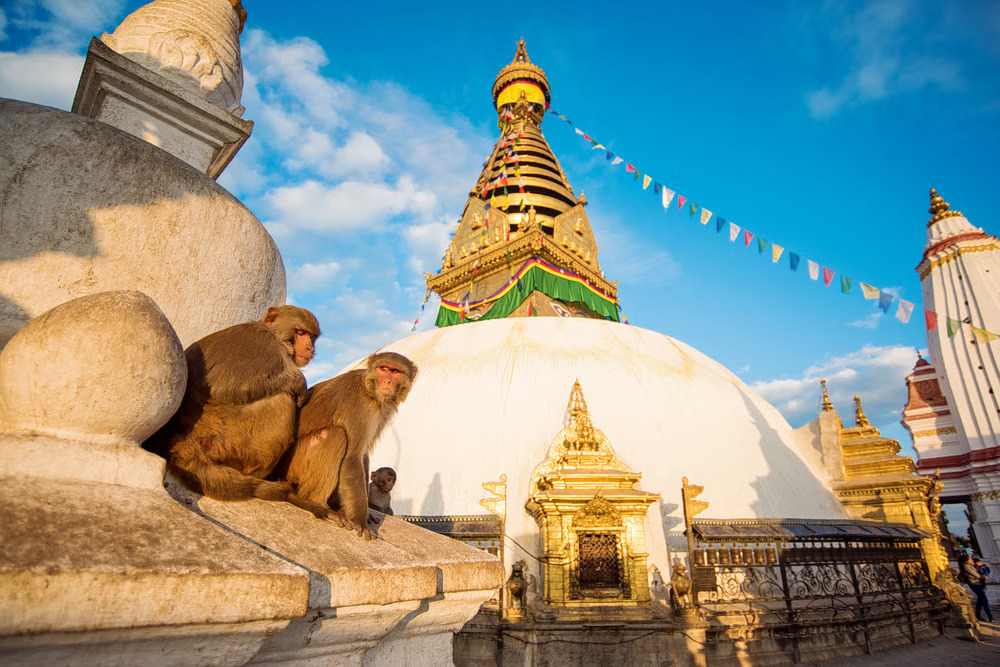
x=680, y=201
x=629, y=168
x=747, y=237
x=587, y=138
x=827, y=275
x=930, y=317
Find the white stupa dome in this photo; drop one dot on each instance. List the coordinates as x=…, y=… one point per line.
x=491, y=396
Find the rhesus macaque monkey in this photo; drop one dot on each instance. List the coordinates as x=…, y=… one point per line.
x=338, y=427
x=382, y=482
x=238, y=414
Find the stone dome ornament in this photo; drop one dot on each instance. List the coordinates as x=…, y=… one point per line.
x=194, y=43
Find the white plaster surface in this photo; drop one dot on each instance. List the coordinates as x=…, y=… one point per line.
x=87, y=208
x=105, y=367
x=491, y=396
x=195, y=43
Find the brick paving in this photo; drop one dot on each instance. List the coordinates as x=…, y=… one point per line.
x=939, y=651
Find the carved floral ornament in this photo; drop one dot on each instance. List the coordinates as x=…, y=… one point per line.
x=598, y=513
x=578, y=446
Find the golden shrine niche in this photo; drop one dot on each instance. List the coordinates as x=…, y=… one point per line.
x=591, y=514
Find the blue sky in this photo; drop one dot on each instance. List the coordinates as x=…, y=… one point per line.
x=820, y=126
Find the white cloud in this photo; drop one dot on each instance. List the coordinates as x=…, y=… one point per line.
x=427, y=242
x=312, y=277
x=348, y=205
x=42, y=77
x=871, y=321
x=876, y=374
x=885, y=41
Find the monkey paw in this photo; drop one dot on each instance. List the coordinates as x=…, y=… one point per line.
x=373, y=519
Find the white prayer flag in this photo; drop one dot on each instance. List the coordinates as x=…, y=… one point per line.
x=904, y=311
x=813, y=270
x=578, y=131
x=617, y=160
x=734, y=231
x=667, y=196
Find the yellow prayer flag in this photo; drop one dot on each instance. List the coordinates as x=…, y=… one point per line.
x=984, y=336
x=706, y=215
x=776, y=251
x=870, y=292
x=646, y=180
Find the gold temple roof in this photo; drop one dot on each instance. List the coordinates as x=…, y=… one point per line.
x=940, y=208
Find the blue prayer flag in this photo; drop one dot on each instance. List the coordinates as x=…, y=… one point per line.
x=793, y=261
x=610, y=155
x=885, y=300
x=720, y=222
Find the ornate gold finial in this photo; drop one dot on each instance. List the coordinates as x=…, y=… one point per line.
x=827, y=405
x=579, y=419
x=859, y=415
x=939, y=208
x=582, y=200
x=577, y=403
x=522, y=53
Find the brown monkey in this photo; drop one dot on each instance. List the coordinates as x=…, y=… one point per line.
x=238, y=414
x=382, y=482
x=338, y=427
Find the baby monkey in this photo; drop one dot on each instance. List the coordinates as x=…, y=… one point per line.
x=382, y=482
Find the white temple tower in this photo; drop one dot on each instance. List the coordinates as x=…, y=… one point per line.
x=960, y=274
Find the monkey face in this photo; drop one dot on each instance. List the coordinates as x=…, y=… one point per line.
x=385, y=483
x=389, y=377
x=304, y=346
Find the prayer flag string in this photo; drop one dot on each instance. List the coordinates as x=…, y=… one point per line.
x=904, y=308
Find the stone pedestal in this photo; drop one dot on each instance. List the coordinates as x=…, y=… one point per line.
x=120, y=92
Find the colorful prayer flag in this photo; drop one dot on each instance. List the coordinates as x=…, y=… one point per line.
x=720, y=222
x=813, y=270
x=646, y=180
x=761, y=244
x=845, y=283
x=734, y=231
x=610, y=155
x=657, y=187
x=629, y=168
x=706, y=215
x=668, y=194
x=793, y=261
x=885, y=300
x=827, y=276
x=617, y=160
x=680, y=201
x=904, y=311
x=637, y=175
x=776, y=251
x=983, y=336
x=747, y=237
x=586, y=137
x=693, y=209
x=953, y=327
x=869, y=291
x=577, y=130
x=930, y=319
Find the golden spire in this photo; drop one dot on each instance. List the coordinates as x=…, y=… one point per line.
x=579, y=418
x=521, y=90
x=859, y=415
x=939, y=209
x=827, y=405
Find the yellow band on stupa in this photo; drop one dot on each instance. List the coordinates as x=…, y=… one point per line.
x=512, y=92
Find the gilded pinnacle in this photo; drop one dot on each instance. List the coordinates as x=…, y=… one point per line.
x=940, y=208
x=859, y=414
x=827, y=405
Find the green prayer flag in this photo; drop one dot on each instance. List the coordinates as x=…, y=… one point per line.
x=694, y=209
x=638, y=174
x=761, y=244
x=845, y=283
x=953, y=327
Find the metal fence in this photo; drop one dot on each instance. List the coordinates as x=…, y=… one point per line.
x=798, y=578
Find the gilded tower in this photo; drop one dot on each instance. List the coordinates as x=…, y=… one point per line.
x=960, y=276
x=524, y=246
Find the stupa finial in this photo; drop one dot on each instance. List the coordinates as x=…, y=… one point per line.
x=859, y=414
x=522, y=53
x=940, y=208
x=827, y=405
